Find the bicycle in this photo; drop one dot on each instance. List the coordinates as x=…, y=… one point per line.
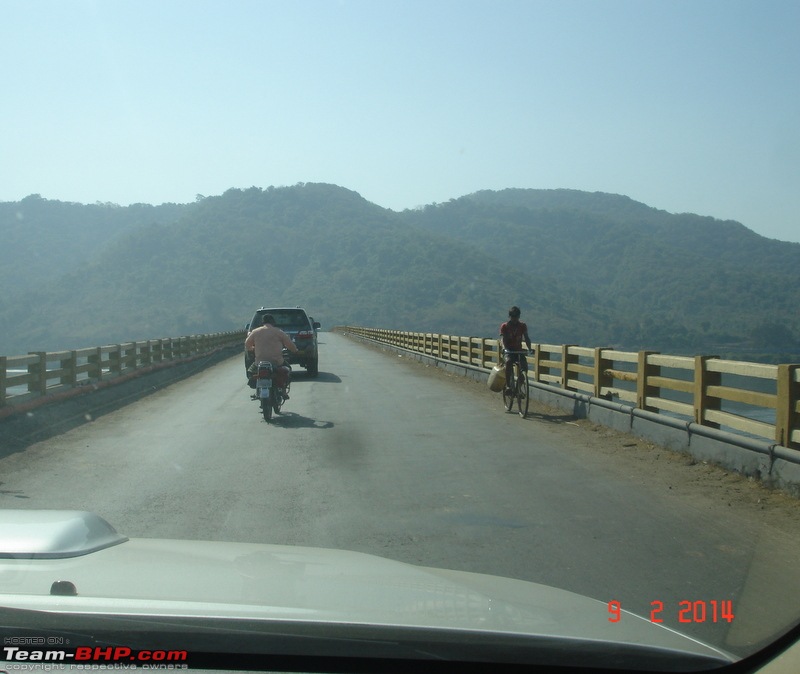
x=519, y=390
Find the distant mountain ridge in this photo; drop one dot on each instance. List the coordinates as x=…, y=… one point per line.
x=589, y=268
x=664, y=280
x=44, y=239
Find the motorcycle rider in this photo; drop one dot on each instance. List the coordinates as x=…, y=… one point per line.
x=267, y=343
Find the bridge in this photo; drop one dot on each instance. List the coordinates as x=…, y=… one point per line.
x=391, y=450
x=683, y=403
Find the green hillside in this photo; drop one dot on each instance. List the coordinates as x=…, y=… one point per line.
x=43, y=239
x=320, y=246
x=593, y=269
x=665, y=281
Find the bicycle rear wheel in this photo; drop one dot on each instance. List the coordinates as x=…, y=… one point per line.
x=508, y=398
x=522, y=394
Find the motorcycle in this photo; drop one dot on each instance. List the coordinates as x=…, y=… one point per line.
x=272, y=387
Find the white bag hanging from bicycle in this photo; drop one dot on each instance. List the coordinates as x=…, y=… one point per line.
x=497, y=378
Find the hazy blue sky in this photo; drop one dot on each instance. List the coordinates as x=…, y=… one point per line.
x=687, y=106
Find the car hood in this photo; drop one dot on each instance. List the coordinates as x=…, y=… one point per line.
x=75, y=563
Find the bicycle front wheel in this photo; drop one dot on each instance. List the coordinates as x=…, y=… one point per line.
x=522, y=394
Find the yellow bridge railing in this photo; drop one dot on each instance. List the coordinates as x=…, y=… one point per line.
x=752, y=398
x=38, y=374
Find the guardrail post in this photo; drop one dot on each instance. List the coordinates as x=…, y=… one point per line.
x=538, y=368
x=601, y=379
x=38, y=372
x=95, y=361
x=70, y=378
x=485, y=351
x=146, y=357
x=566, y=360
x=702, y=380
x=786, y=406
x=135, y=355
x=3, y=361
x=644, y=390
x=115, y=360
x=129, y=356
x=158, y=350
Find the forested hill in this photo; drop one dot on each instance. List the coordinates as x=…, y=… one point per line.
x=594, y=269
x=665, y=280
x=43, y=239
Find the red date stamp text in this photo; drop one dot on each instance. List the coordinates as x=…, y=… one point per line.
x=714, y=611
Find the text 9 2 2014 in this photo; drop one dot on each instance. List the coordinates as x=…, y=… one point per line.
x=686, y=611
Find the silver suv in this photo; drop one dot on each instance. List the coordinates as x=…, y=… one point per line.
x=302, y=329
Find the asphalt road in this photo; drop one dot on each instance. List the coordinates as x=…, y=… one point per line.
x=388, y=457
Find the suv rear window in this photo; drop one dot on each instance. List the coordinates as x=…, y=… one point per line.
x=284, y=318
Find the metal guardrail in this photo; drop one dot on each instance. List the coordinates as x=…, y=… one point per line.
x=749, y=398
x=36, y=374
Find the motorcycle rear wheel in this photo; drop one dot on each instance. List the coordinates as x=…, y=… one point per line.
x=266, y=408
x=277, y=399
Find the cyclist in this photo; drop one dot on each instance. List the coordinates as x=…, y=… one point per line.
x=512, y=334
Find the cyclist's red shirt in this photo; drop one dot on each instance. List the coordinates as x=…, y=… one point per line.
x=513, y=335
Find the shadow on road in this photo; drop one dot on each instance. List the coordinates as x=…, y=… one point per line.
x=323, y=377
x=549, y=418
x=294, y=420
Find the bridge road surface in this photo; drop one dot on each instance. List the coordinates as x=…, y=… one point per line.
x=388, y=457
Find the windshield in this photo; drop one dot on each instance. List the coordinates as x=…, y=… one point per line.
x=611, y=479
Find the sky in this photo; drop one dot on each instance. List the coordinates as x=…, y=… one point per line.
x=684, y=105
